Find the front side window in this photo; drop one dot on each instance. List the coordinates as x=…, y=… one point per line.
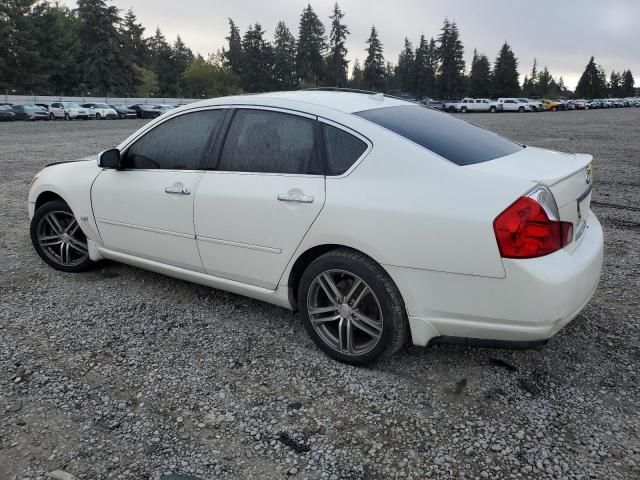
x=177, y=144
x=265, y=141
x=342, y=149
x=452, y=138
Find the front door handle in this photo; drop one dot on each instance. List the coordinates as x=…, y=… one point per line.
x=295, y=198
x=178, y=190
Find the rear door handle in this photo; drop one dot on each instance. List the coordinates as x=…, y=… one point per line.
x=295, y=198
x=178, y=190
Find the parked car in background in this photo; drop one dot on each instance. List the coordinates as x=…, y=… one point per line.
x=536, y=105
x=473, y=105
x=551, y=105
x=68, y=111
x=30, y=112
x=43, y=105
x=277, y=197
x=581, y=104
x=593, y=104
x=515, y=105
x=433, y=103
x=102, y=110
x=6, y=114
x=124, y=112
x=146, y=110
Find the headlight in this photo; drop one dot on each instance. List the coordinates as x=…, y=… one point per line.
x=33, y=180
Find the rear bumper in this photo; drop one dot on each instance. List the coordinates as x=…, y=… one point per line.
x=535, y=299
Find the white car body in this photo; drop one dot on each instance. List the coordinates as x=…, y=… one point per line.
x=427, y=221
x=473, y=105
x=69, y=110
x=515, y=105
x=536, y=105
x=101, y=111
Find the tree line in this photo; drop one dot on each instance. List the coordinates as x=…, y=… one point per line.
x=48, y=48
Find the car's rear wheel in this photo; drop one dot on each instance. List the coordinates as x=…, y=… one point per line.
x=521, y=109
x=351, y=308
x=58, y=238
x=492, y=109
x=52, y=116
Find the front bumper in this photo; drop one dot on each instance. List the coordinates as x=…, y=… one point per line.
x=536, y=298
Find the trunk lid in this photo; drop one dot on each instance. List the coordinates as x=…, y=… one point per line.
x=568, y=175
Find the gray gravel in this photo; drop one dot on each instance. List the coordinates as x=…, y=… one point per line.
x=122, y=373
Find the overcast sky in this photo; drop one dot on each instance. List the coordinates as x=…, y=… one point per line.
x=561, y=34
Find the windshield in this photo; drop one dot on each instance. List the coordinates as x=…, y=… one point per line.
x=33, y=108
x=101, y=105
x=456, y=140
x=71, y=105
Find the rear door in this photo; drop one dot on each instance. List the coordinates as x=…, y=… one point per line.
x=146, y=209
x=268, y=187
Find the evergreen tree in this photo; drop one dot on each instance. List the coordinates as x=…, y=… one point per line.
x=357, y=76
x=480, y=76
x=614, y=84
x=530, y=83
x=100, y=52
x=337, y=63
x=19, y=59
x=425, y=68
x=162, y=64
x=592, y=83
x=311, y=48
x=55, y=33
x=564, y=91
x=233, y=56
x=628, y=84
x=257, y=61
x=133, y=42
x=284, y=70
x=374, y=67
x=182, y=57
x=546, y=85
x=405, y=70
x=505, y=74
x=451, y=62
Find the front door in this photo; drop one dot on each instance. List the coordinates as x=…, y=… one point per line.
x=146, y=208
x=253, y=211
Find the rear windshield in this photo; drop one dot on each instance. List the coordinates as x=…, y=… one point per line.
x=456, y=140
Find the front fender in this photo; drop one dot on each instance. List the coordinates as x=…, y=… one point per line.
x=72, y=182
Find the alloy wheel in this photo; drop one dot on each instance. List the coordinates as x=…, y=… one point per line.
x=345, y=312
x=61, y=238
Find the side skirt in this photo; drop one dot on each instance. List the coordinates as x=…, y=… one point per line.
x=279, y=297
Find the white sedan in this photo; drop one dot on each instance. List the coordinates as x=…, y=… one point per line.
x=381, y=221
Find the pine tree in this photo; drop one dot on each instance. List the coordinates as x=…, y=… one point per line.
x=628, y=84
x=100, y=49
x=257, y=61
x=357, y=76
x=182, y=57
x=337, y=63
x=592, y=83
x=530, y=83
x=374, y=67
x=233, y=56
x=284, y=70
x=162, y=64
x=451, y=62
x=133, y=41
x=311, y=48
x=546, y=85
x=425, y=68
x=505, y=74
x=614, y=84
x=405, y=70
x=480, y=76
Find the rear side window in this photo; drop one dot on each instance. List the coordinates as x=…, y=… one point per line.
x=265, y=141
x=177, y=144
x=456, y=140
x=343, y=149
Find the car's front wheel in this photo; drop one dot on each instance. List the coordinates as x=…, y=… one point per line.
x=58, y=238
x=351, y=308
x=52, y=116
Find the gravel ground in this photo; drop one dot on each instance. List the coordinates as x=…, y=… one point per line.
x=122, y=373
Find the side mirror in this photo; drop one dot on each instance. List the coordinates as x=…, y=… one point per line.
x=110, y=159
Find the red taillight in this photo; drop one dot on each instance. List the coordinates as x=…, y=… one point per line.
x=524, y=230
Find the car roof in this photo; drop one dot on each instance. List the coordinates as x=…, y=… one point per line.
x=347, y=102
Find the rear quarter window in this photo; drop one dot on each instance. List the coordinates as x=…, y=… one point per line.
x=452, y=138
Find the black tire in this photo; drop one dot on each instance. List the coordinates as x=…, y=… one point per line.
x=463, y=110
x=67, y=117
x=395, y=325
x=492, y=109
x=521, y=109
x=58, y=206
x=98, y=116
x=52, y=116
